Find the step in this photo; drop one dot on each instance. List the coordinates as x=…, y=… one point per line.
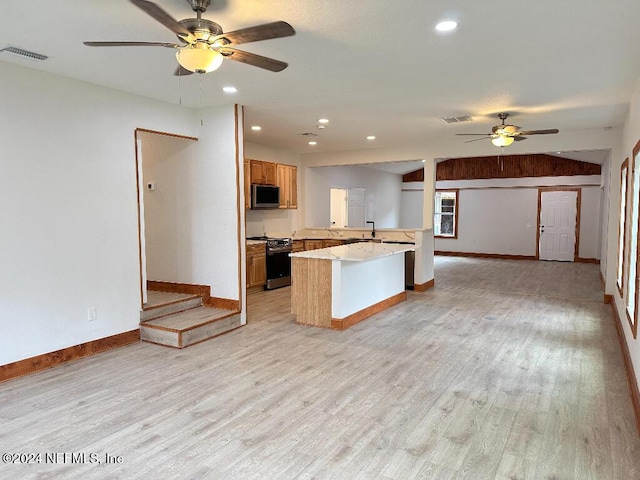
x=173, y=304
x=185, y=328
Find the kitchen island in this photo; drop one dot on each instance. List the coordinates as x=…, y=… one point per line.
x=337, y=287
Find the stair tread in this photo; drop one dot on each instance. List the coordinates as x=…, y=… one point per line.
x=188, y=318
x=157, y=299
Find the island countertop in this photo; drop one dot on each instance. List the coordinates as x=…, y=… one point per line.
x=355, y=252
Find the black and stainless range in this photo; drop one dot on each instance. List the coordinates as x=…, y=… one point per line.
x=278, y=262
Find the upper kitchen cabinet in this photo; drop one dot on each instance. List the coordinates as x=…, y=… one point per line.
x=247, y=184
x=263, y=173
x=288, y=182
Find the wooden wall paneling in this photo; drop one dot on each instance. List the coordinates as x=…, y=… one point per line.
x=512, y=166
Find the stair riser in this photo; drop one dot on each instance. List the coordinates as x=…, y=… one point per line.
x=170, y=309
x=185, y=338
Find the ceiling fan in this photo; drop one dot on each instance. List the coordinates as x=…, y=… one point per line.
x=202, y=43
x=504, y=135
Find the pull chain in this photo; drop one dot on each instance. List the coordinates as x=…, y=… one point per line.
x=201, y=121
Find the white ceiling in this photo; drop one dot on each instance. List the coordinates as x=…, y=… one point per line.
x=372, y=67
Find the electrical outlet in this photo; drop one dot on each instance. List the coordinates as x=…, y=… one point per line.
x=92, y=314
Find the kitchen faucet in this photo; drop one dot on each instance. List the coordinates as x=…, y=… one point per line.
x=373, y=228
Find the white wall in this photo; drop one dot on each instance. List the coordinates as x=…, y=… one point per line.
x=69, y=211
x=383, y=194
x=631, y=135
x=275, y=222
x=411, y=205
x=500, y=216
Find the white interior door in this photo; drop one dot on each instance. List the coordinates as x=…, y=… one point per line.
x=558, y=214
x=355, y=207
x=338, y=207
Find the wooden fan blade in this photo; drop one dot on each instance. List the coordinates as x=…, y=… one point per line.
x=518, y=138
x=131, y=44
x=253, y=59
x=476, y=139
x=259, y=32
x=540, y=132
x=163, y=17
x=181, y=71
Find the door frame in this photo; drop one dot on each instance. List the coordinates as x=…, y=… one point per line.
x=578, y=190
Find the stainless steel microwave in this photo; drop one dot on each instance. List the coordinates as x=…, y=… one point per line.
x=265, y=196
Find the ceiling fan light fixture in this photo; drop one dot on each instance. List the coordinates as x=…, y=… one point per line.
x=199, y=58
x=502, y=141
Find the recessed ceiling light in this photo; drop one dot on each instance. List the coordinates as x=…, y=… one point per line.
x=446, y=26
x=371, y=137
x=323, y=120
x=256, y=128
x=313, y=143
x=229, y=89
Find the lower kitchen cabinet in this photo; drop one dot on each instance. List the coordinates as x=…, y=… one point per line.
x=332, y=243
x=313, y=244
x=298, y=246
x=256, y=265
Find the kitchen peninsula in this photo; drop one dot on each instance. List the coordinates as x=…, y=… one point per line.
x=337, y=287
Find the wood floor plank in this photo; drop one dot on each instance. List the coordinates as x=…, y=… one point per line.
x=503, y=370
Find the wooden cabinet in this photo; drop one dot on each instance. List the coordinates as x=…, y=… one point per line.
x=288, y=182
x=247, y=184
x=313, y=244
x=298, y=246
x=332, y=243
x=256, y=265
x=263, y=173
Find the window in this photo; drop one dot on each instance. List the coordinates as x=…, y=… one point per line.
x=624, y=180
x=445, y=220
x=632, y=274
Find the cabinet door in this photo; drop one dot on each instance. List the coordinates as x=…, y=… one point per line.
x=293, y=187
x=313, y=244
x=247, y=184
x=270, y=173
x=298, y=246
x=283, y=183
x=332, y=243
x=260, y=268
x=256, y=171
x=256, y=269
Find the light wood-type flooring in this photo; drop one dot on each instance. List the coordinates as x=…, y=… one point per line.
x=504, y=370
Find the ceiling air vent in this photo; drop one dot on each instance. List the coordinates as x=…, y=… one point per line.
x=309, y=134
x=463, y=118
x=24, y=53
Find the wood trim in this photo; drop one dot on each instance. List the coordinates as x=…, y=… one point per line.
x=138, y=168
x=240, y=211
x=422, y=287
x=578, y=190
x=631, y=376
x=349, y=321
x=607, y=298
x=69, y=354
x=588, y=260
x=166, y=134
x=622, y=229
x=224, y=303
x=634, y=324
x=485, y=255
x=173, y=287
